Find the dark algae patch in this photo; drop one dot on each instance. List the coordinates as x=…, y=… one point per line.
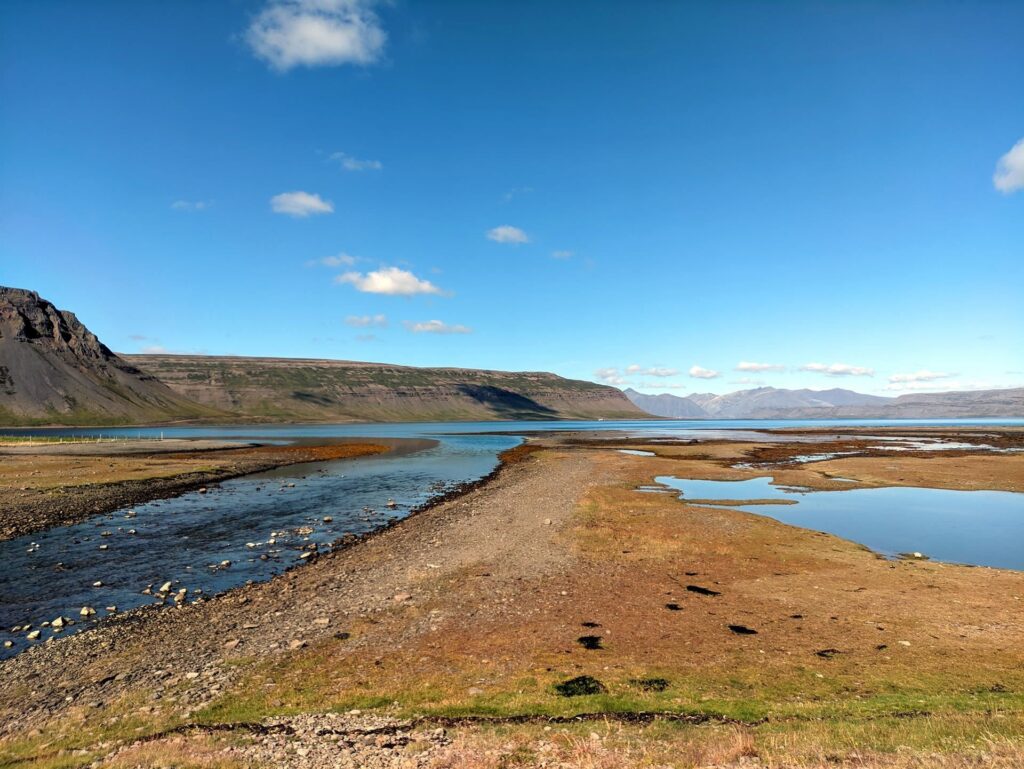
x=580, y=686
x=590, y=642
x=742, y=630
x=673, y=607
x=702, y=590
x=650, y=684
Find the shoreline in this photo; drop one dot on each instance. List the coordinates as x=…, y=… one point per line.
x=412, y=623
x=25, y=510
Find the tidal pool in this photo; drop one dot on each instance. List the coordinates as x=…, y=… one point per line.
x=983, y=528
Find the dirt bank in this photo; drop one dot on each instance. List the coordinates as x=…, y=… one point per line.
x=57, y=484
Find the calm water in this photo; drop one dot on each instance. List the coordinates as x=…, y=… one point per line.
x=977, y=527
x=185, y=540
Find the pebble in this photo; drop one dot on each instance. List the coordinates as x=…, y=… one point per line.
x=297, y=643
x=87, y=611
x=33, y=635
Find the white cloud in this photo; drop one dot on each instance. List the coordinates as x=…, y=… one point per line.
x=191, y=205
x=516, y=192
x=506, y=233
x=746, y=365
x=699, y=372
x=563, y=254
x=393, y=281
x=365, y=321
x=653, y=371
x=662, y=386
x=838, y=369
x=435, y=327
x=154, y=349
x=1009, y=175
x=316, y=33
x=919, y=376
x=943, y=386
x=300, y=204
x=350, y=163
x=611, y=375
x=338, y=260
x=746, y=380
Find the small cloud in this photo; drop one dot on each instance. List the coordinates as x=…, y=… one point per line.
x=316, y=33
x=611, y=375
x=300, y=204
x=506, y=233
x=838, y=369
x=746, y=380
x=919, y=376
x=191, y=205
x=338, y=260
x=393, y=281
x=654, y=371
x=365, y=321
x=746, y=365
x=563, y=254
x=943, y=386
x=154, y=349
x=1009, y=175
x=366, y=337
x=138, y=337
x=699, y=372
x=515, y=192
x=435, y=327
x=662, y=386
x=350, y=163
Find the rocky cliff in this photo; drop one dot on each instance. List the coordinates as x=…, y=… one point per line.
x=54, y=370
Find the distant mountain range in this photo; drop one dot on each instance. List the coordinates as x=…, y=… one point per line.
x=775, y=403
x=53, y=370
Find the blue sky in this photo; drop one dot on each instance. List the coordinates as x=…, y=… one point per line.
x=646, y=193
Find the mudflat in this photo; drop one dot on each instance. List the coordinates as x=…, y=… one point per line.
x=558, y=615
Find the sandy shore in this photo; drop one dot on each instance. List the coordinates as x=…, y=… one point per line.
x=559, y=570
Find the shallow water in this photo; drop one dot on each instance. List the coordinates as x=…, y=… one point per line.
x=184, y=540
x=984, y=528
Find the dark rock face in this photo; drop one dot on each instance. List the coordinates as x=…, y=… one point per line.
x=54, y=370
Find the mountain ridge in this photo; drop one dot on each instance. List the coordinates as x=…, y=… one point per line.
x=55, y=371
x=834, y=403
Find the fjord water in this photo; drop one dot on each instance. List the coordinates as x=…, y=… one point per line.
x=984, y=528
x=186, y=539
